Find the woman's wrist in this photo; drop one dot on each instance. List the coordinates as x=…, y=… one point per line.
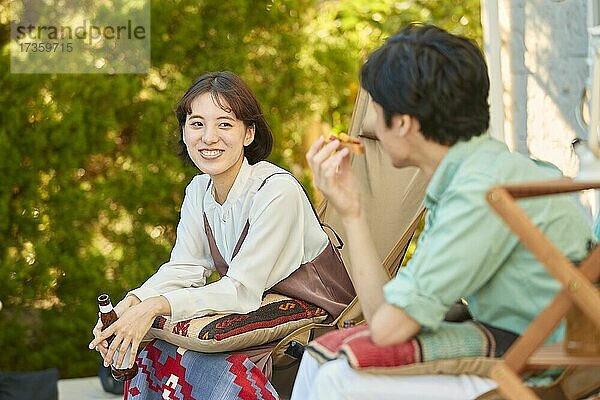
x=159, y=305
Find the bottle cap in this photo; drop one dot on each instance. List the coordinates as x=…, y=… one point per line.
x=103, y=299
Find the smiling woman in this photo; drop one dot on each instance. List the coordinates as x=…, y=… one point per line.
x=237, y=101
x=220, y=122
x=215, y=140
x=244, y=218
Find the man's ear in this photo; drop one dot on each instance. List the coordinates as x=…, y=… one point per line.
x=250, y=131
x=404, y=124
x=401, y=124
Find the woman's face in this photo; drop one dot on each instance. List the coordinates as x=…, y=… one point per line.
x=215, y=139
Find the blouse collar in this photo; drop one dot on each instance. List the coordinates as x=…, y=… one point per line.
x=239, y=185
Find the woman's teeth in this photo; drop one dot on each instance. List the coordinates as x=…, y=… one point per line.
x=210, y=153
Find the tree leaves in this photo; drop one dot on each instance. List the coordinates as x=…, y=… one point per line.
x=90, y=183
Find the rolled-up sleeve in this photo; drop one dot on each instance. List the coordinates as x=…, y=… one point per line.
x=464, y=243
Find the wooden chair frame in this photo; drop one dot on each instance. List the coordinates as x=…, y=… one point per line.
x=578, y=288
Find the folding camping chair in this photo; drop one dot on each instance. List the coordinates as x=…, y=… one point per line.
x=528, y=352
x=578, y=290
x=393, y=200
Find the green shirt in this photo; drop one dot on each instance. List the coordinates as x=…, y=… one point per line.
x=467, y=251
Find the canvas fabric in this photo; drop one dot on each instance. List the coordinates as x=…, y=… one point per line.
x=392, y=197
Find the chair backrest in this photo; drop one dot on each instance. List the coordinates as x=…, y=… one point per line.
x=392, y=197
x=393, y=201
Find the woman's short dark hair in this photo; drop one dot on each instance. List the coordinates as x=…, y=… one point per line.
x=241, y=101
x=439, y=78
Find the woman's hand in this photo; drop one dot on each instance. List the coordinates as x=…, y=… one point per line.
x=120, y=308
x=333, y=176
x=129, y=330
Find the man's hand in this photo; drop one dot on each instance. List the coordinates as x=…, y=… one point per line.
x=333, y=176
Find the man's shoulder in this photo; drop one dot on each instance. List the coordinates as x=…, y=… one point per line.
x=497, y=166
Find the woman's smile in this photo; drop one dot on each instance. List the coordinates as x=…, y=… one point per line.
x=210, y=154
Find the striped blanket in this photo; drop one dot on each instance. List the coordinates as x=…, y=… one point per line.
x=170, y=372
x=451, y=341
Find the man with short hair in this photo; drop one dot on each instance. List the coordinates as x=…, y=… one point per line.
x=430, y=91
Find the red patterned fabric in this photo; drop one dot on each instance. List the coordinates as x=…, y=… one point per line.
x=451, y=340
x=248, y=386
x=267, y=316
x=169, y=372
x=277, y=317
x=356, y=344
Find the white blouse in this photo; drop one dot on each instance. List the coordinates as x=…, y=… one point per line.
x=284, y=233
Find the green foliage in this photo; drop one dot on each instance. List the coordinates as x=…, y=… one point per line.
x=91, y=184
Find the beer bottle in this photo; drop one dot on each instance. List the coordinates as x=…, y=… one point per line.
x=107, y=317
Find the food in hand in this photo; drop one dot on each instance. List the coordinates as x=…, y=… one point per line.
x=352, y=143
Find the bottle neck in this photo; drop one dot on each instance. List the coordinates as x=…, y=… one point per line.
x=106, y=308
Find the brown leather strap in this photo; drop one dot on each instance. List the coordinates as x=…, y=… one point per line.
x=218, y=259
x=241, y=239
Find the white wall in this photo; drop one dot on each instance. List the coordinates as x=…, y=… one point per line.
x=541, y=72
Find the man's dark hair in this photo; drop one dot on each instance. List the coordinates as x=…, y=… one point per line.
x=439, y=78
x=227, y=86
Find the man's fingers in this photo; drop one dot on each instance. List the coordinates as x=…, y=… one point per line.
x=316, y=158
x=325, y=152
x=316, y=146
x=331, y=166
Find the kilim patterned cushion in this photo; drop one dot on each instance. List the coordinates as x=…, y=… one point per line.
x=465, y=347
x=277, y=317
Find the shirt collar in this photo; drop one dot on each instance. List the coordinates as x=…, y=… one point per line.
x=239, y=185
x=445, y=171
